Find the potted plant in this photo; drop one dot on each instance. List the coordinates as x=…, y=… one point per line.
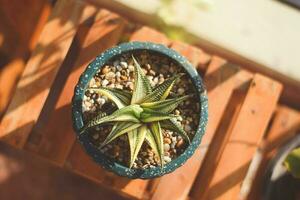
x=283, y=173
x=140, y=110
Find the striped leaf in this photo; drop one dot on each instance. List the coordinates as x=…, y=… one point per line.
x=162, y=91
x=173, y=125
x=136, y=138
x=119, y=129
x=165, y=106
x=149, y=115
x=154, y=138
x=120, y=97
x=129, y=114
x=142, y=85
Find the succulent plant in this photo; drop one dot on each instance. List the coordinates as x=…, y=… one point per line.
x=141, y=114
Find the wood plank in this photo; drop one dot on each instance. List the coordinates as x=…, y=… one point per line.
x=196, y=56
x=40, y=71
x=221, y=79
x=147, y=34
x=53, y=136
x=247, y=131
x=79, y=162
x=11, y=72
x=285, y=125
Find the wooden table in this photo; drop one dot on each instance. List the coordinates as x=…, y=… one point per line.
x=241, y=105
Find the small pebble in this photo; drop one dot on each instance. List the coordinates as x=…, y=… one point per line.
x=124, y=65
x=179, y=143
x=101, y=101
x=180, y=91
x=166, y=147
x=124, y=78
x=151, y=72
x=148, y=66
x=119, y=68
x=118, y=74
x=174, y=139
x=167, y=140
x=167, y=159
x=104, y=83
x=110, y=75
x=105, y=70
x=131, y=68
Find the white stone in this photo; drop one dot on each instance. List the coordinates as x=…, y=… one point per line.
x=124, y=64
x=180, y=91
x=118, y=74
x=110, y=75
x=104, y=83
x=131, y=68
x=166, y=147
x=119, y=68
x=101, y=101
x=167, y=159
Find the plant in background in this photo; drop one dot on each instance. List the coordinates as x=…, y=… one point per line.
x=292, y=162
x=141, y=114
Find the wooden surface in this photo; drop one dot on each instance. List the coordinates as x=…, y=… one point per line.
x=18, y=37
x=40, y=71
x=241, y=105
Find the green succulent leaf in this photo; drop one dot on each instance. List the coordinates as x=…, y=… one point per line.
x=136, y=138
x=173, y=125
x=162, y=91
x=292, y=162
x=154, y=138
x=141, y=114
x=165, y=106
x=149, y=115
x=120, y=97
x=142, y=85
x=129, y=114
x=119, y=129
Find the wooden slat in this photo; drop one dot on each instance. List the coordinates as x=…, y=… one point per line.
x=285, y=125
x=147, y=34
x=40, y=71
x=196, y=56
x=247, y=131
x=221, y=79
x=54, y=138
x=76, y=158
x=11, y=72
x=81, y=163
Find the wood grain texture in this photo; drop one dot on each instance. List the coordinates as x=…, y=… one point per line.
x=53, y=136
x=245, y=135
x=147, y=34
x=196, y=56
x=40, y=72
x=221, y=79
x=80, y=163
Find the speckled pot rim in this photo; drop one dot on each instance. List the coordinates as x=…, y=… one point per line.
x=101, y=158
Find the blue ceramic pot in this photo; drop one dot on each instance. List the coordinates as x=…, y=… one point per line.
x=109, y=163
